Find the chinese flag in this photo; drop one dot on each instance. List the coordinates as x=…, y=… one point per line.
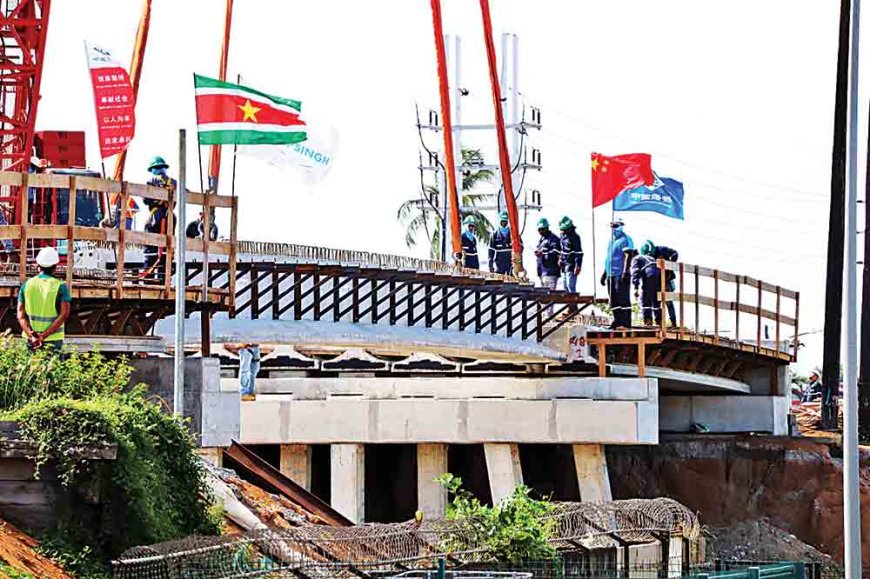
x=613, y=175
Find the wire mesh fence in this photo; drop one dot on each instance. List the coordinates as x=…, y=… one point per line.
x=595, y=531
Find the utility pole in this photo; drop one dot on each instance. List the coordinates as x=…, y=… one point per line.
x=516, y=124
x=836, y=226
x=180, y=276
x=851, y=480
x=864, y=366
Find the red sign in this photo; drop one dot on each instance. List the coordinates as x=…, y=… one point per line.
x=113, y=100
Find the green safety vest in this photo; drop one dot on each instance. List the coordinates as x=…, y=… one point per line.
x=40, y=303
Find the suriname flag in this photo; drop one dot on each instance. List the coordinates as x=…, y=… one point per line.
x=232, y=114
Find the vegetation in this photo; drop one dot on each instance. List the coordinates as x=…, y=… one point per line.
x=420, y=217
x=154, y=491
x=515, y=530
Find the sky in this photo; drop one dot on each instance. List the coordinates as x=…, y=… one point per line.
x=733, y=99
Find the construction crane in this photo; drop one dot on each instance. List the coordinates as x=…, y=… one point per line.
x=23, y=32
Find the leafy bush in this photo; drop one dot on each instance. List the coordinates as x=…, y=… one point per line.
x=154, y=491
x=517, y=529
x=26, y=376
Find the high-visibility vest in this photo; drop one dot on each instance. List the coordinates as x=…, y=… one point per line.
x=40, y=304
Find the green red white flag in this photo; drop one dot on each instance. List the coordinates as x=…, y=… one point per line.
x=232, y=114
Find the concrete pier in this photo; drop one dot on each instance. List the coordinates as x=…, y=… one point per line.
x=431, y=496
x=296, y=463
x=505, y=471
x=347, y=470
x=591, y=465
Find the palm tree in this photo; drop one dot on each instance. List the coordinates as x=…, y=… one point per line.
x=421, y=216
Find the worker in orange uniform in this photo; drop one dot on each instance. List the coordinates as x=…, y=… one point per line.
x=158, y=217
x=44, y=304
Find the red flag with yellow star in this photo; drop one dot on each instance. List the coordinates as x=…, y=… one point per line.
x=232, y=114
x=613, y=175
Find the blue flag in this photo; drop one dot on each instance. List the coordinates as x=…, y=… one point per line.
x=664, y=196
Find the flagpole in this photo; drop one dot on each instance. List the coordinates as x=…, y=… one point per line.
x=594, y=262
x=180, y=276
x=235, y=151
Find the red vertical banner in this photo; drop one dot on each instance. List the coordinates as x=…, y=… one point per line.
x=114, y=101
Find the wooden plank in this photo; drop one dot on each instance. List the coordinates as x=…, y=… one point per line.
x=97, y=184
x=663, y=294
x=737, y=312
x=23, y=201
x=729, y=306
x=143, y=238
x=70, y=231
x=10, y=179
x=758, y=312
x=234, y=245
x=214, y=200
x=682, y=303
x=778, y=299
x=170, y=243
x=641, y=356
x=122, y=239
x=716, y=305
x=46, y=231
x=602, y=360
x=147, y=191
x=797, y=301
x=47, y=181
x=697, y=305
x=83, y=233
x=10, y=232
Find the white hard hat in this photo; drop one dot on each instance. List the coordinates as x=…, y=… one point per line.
x=47, y=257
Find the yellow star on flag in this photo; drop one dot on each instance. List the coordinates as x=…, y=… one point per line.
x=594, y=164
x=250, y=111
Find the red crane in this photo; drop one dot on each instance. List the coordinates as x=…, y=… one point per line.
x=23, y=31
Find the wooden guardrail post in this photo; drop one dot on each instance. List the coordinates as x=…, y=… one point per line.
x=170, y=242
x=122, y=245
x=25, y=221
x=737, y=312
x=797, y=301
x=777, y=321
x=206, y=241
x=664, y=295
x=697, y=303
x=70, y=232
x=682, y=304
x=716, y=306
x=234, y=221
x=758, y=314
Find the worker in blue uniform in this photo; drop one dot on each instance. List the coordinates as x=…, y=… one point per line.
x=647, y=281
x=500, y=246
x=667, y=254
x=158, y=217
x=547, y=252
x=469, y=244
x=615, y=275
x=572, y=254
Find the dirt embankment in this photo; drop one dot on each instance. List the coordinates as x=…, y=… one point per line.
x=795, y=484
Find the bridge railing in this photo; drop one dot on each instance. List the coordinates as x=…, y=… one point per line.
x=721, y=307
x=65, y=230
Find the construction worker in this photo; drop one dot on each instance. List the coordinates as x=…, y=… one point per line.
x=158, y=212
x=500, y=247
x=547, y=253
x=615, y=275
x=571, y=260
x=813, y=391
x=44, y=304
x=196, y=228
x=667, y=254
x=469, y=244
x=249, y=367
x=646, y=277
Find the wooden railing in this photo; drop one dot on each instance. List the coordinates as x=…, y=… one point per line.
x=28, y=237
x=715, y=305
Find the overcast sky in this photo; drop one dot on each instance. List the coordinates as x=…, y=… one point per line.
x=735, y=99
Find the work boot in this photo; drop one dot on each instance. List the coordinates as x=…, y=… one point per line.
x=249, y=397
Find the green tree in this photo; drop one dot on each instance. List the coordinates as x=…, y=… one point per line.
x=419, y=217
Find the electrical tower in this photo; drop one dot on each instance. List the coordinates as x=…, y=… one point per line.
x=523, y=157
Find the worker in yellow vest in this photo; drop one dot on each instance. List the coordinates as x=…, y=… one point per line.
x=44, y=304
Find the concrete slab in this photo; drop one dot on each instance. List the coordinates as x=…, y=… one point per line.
x=679, y=381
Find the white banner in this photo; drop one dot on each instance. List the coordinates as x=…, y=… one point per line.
x=312, y=158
